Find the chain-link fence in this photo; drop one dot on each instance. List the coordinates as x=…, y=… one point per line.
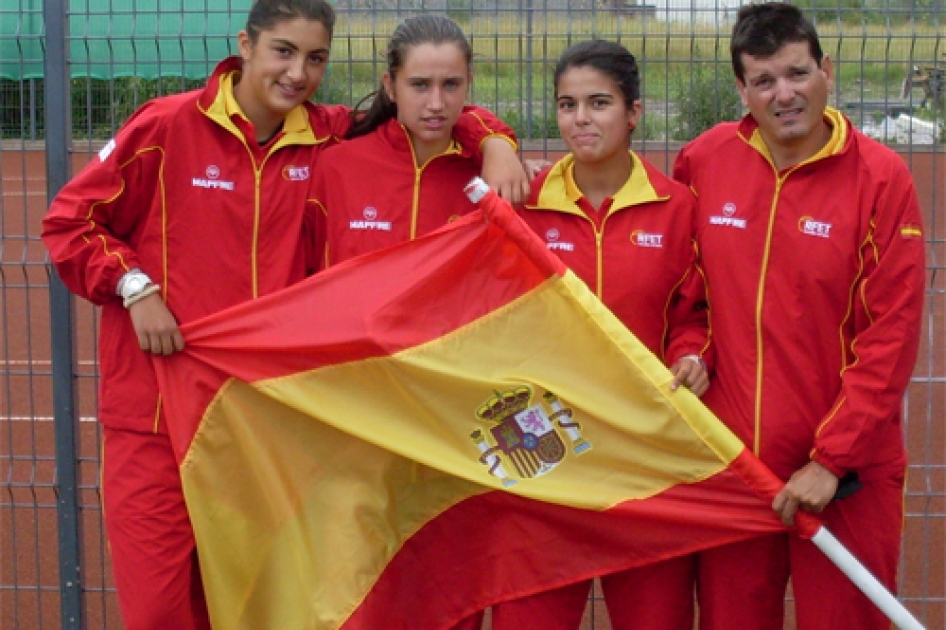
x=72, y=71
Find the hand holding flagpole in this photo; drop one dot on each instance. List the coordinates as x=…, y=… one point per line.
x=808, y=486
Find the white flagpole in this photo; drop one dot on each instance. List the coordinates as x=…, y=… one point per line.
x=864, y=580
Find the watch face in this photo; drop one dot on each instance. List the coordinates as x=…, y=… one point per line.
x=134, y=285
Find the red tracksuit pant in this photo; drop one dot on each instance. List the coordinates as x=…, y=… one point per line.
x=152, y=546
x=652, y=597
x=743, y=585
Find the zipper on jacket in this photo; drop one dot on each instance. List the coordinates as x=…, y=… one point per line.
x=599, y=254
x=254, y=248
x=760, y=299
x=418, y=175
x=415, y=201
x=599, y=247
x=257, y=211
x=257, y=205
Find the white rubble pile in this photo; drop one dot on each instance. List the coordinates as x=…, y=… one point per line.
x=904, y=129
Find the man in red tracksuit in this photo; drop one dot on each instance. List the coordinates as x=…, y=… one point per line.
x=810, y=235
x=196, y=205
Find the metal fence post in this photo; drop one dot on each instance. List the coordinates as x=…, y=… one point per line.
x=62, y=310
x=62, y=307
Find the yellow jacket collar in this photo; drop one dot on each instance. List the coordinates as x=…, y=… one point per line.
x=560, y=192
x=296, y=127
x=839, y=136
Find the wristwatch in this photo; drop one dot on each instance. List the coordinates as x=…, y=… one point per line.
x=133, y=283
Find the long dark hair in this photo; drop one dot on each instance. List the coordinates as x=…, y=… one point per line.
x=422, y=29
x=266, y=14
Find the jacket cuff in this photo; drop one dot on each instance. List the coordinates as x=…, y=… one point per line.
x=833, y=469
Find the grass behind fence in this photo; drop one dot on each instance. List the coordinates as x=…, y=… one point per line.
x=686, y=78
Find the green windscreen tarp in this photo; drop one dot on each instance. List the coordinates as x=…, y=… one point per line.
x=114, y=38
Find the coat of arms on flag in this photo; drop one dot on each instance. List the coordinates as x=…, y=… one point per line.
x=524, y=436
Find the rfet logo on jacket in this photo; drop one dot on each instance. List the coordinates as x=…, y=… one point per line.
x=636, y=252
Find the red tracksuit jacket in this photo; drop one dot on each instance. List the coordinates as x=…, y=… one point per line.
x=372, y=195
x=816, y=281
x=639, y=258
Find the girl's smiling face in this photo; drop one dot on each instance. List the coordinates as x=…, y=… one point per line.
x=281, y=69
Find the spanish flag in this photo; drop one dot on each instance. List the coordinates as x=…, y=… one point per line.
x=434, y=428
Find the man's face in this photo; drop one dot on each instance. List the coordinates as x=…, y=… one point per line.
x=787, y=94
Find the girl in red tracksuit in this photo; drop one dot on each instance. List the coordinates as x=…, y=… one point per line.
x=403, y=174
x=628, y=232
x=196, y=205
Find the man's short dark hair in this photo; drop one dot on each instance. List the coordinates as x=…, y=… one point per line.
x=762, y=29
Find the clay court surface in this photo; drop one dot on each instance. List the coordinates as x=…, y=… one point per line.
x=29, y=570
